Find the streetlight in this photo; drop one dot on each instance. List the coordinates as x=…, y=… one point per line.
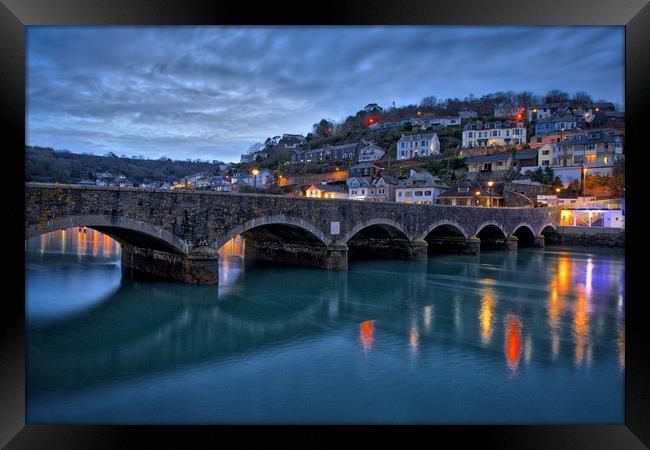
x=557, y=195
x=490, y=184
x=255, y=172
x=478, y=201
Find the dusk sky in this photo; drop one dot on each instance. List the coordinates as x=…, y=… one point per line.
x=211, y=92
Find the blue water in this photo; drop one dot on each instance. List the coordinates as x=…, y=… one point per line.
x=535, y=336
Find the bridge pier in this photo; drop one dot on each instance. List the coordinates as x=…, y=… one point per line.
x=332, y=257
x=201, y=266
x=511, y=243
x=472, y=246
x=540, y=241
x=419, y=250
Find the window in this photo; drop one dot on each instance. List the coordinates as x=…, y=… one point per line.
x=408, y=194
x=461, y=202
x=423, y=143
x=597, y=219
x=499, y=163
x=399, y=194
x=545, y=163
x=545, y=152
x=380, y=190
x=363, y=191
x=463, y=189
x=418, y=193
x=591, y=146
x=495, y=133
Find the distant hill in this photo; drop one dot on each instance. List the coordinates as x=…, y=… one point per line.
x=46, y=165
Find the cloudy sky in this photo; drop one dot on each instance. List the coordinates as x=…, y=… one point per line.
x=211, y=92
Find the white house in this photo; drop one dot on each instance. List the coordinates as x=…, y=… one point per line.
x=446, y=121
x=371, y=152
x=326, y=191
x=418, y=145
x=420, y=188
x=489, y=134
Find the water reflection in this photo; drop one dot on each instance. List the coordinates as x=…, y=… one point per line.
x=488, y=303
x=513, y=341
x=366, y=335
x=465, y=319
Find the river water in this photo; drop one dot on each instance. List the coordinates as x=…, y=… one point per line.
x=533, y=336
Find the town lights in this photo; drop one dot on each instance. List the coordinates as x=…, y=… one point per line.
x=490, y=184
x=255, y=172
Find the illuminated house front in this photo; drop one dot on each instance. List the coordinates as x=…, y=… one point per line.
x=418, y=145
x=491, y=134
x=326, y=191
x=608, y=218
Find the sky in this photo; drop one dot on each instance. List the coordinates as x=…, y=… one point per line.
x=210, y=92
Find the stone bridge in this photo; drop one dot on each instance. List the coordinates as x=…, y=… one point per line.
x=176, y=234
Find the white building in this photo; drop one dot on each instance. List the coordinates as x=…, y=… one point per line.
x=490, y=134
x=420, y=188
x=418, y=145
x=446, y=121
x=371, y=152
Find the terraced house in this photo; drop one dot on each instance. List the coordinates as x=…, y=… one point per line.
x=594, y=147
x=418, y=145
x=490, y=134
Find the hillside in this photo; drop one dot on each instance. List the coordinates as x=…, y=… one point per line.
x=48, y=166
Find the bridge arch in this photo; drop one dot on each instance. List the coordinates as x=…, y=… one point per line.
x=543, y=228
x=524, y=225
x=525, y=234
x=122, y=229
x=490, y=223
x=384, y=223
x=450, y=225
x=257, y=222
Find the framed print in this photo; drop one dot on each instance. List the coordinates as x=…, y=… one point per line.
x=372, y=218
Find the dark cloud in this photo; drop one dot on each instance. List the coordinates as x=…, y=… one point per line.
x=211, y=92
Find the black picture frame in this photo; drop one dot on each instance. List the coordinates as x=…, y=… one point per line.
x=15, y=15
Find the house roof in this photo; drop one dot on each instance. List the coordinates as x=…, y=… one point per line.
x=528, y=154
x=364, y=165
x=471, y=192
x=328, y=188
x=418, y=137
x=489, y=158
x=527, y=181
x=556, y=119
x=387, y=178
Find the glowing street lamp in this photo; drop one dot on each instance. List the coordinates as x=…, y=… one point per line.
x=255, y=172
x=490, y=184
x=478, y=194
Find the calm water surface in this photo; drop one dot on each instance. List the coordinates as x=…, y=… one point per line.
x=535, y=336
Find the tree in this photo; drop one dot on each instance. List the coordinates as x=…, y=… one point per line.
x=525, y=99
x=110, y=155
x=429, y=102
x=324, y=128
x=556, y=96
x=582, y=98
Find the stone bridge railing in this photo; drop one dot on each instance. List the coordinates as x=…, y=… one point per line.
x=176, y=233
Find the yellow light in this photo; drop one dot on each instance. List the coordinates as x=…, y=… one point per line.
x=490, y=183
x=255, y=172
x=478, y=192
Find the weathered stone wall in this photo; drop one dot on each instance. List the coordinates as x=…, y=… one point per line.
x=186, y=220
x=589, y=237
